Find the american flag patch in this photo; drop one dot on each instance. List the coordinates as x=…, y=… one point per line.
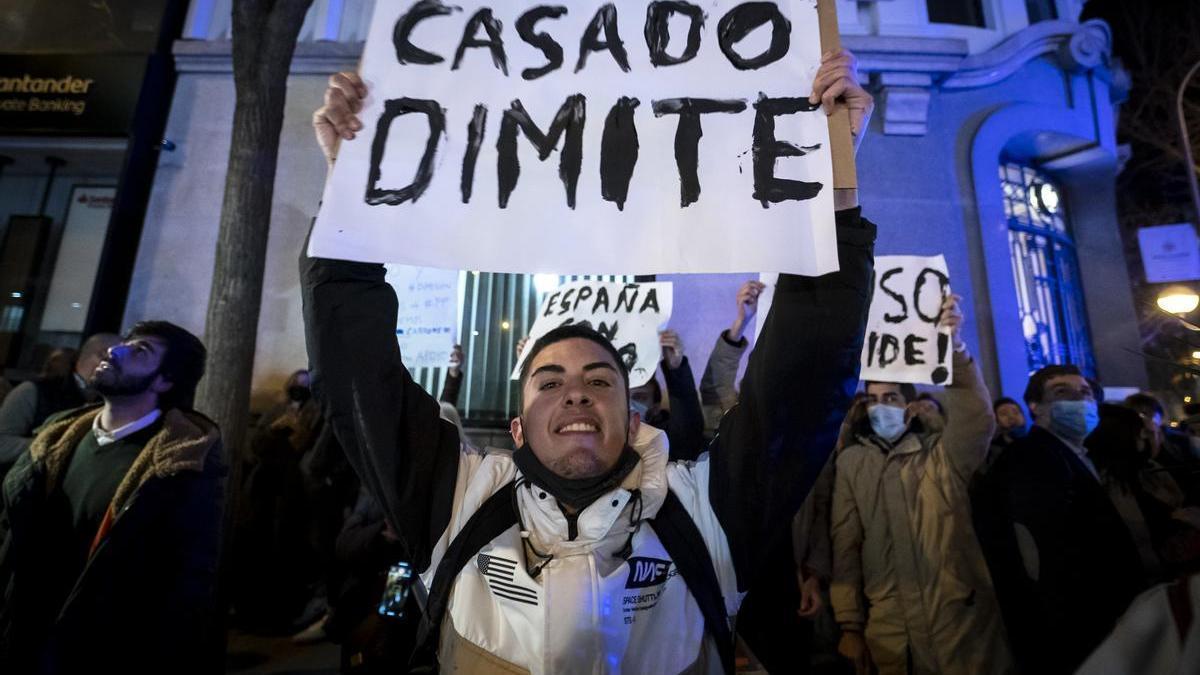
x=499, y=574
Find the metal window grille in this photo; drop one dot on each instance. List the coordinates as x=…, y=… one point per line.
x=1046, y=271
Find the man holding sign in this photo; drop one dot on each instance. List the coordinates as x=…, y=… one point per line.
x=910, y=586
x=585, y=550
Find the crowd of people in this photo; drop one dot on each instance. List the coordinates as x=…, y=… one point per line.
x=798, y=520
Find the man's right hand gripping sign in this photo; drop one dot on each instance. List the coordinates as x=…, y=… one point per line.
x=585, y=549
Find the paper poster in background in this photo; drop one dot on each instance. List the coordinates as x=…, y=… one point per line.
x=427, y=320
x=1170, y=253
x=903, y=343
x=589, y=138
x=78, y=258
x=628, y=314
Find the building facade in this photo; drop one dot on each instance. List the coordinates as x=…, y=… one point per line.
x=993, y=143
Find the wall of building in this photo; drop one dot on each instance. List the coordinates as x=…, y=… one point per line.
x=927, y=170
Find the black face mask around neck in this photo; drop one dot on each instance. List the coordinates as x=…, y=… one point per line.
x=575, y=493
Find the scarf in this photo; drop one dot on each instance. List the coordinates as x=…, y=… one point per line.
x=575, y=493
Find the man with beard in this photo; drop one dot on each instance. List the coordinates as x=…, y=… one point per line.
x=111, y=553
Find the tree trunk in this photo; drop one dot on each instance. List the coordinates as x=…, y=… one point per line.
x=264, y=39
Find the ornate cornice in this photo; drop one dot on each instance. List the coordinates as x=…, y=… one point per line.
x=907, y=70
x=1078, y=46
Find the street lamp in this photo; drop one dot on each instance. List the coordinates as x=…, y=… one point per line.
x=1178, y=300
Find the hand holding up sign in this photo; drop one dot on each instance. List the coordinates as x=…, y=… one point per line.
x=952, y=318
x=837, y=78
x=747, y=306
x=456, y=360
x=338, y=118
x=672, y=348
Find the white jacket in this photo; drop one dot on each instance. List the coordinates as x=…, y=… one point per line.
x=589, y=611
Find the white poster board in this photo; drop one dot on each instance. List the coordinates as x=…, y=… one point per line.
x=427, y=320
x=903, y=343
x=630, y=315
x=1170, y=253
x=78, y=260
x=514, y=137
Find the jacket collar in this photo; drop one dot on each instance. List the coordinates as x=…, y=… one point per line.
x=181, y=444
x=644, y=490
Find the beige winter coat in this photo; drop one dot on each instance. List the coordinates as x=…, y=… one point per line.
x=907, y=568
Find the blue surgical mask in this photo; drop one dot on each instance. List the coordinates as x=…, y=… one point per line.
x=887, y=421
x=1074, y=420
x=638, y=407
x=1018, y=432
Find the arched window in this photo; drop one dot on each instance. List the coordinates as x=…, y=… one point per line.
x=1045, y=270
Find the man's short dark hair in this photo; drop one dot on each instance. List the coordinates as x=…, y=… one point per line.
x=1037, y=382
x=182, y=364
x=1004, y=400
x=926, y=396
x=1146, y=404
x=908, y=391
x=567, y=332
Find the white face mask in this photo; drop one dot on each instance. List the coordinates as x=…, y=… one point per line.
x=887, y=421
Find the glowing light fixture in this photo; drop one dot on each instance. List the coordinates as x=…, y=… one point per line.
x=1178, y=300
x=1047, y=196
x=544, y=283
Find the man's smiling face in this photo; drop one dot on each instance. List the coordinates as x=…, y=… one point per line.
x=575, y=416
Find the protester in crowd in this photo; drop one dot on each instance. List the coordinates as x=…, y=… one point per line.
x=683, y=419
x=1011, y=426
x=1164, y=530
x=587, y=512
x=30, y=403
x=276, y=584
x=1063, y=561
x=110, y=561
x=454, y=377
x=718, y=386
x=371, y=643
x=60, y=362
x=1169, y=449
x=910, y=587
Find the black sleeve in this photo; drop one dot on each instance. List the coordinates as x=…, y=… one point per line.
x=389, y=428
x=451, y=388
x=685, y=428
x=799, y=383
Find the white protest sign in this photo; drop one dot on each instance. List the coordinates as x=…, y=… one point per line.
x=519, y=137
x=1170, y=253
x=903, y=343
x=630, y=315
x=427, y=320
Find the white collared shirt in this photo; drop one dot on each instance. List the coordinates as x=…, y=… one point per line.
x=104, y=438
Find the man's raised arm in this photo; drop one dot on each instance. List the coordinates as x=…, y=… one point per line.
x=389, y=427
x=798, y=386
x=803, y=371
